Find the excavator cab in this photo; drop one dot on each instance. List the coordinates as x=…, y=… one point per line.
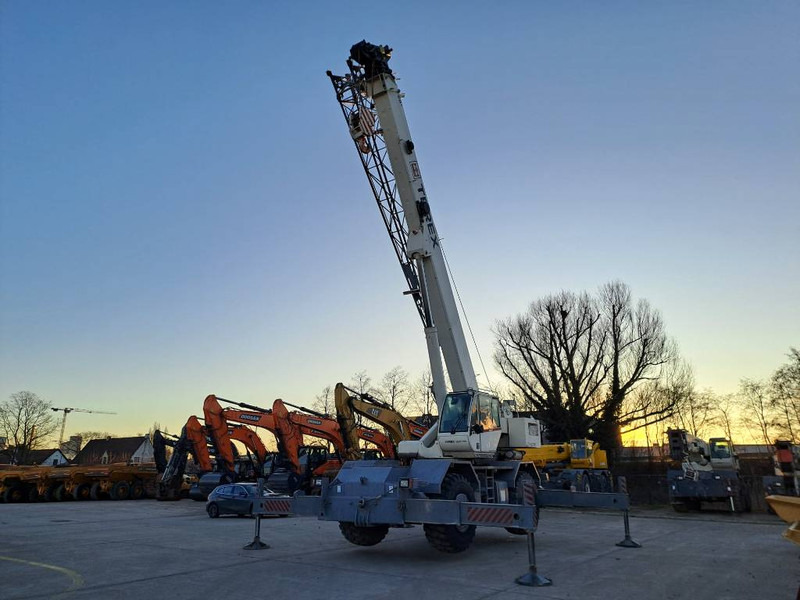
x=469, y=425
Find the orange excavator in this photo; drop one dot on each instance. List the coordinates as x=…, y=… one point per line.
x=297, y=462
x=195, y=439
x=253, y=443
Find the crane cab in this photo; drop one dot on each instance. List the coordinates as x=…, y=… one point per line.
x=469, y=425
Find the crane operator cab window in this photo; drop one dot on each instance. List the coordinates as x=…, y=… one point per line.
x=720, y=449
x=580, y=449
x=485, y=414
x=455, y=413
x=466, y=411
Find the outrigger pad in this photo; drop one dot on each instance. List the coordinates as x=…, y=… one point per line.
x=533, y=579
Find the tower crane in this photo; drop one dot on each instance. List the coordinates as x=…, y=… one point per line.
x=66, y=411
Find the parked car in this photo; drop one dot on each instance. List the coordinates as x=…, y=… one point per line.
x=234, y=499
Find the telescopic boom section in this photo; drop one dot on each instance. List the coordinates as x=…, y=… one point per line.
x=370, y=101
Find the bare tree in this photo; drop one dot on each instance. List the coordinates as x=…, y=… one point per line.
x=26, y=421
x=362, y=383
x=554, y=356
x=422, y=400
x=785, y=397
x=754, y=399
x=638, y=350
x=575, y=360
x=324, y=402
x=657, y=401
x=88, y=436
x=698, y=413
x=394, y=389
x=727, y=411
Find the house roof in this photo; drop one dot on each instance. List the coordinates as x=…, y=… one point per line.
x=116, y=449
x=35, y=457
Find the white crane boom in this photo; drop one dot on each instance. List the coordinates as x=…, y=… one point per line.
x=381, y=130
x=471, y=423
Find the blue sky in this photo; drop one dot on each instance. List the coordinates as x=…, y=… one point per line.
x=182, y=211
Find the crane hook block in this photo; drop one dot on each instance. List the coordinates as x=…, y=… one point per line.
x=374, y=59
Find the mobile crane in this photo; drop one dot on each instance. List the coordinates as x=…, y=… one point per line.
x=579, y=464
x=467, y=470
x=702, y=472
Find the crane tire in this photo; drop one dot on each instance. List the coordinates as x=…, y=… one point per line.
x=363, y=536
x=452, y=538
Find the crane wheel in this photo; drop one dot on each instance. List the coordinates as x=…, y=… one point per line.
x=121, y=490
x=82, y=491
x=452, y=538
x=363, y=536
x=33, y=494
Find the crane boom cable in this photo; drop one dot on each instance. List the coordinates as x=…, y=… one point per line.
x=464, y=312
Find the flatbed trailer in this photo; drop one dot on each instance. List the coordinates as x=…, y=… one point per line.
x=120, y=481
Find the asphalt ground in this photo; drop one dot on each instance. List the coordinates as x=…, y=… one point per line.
x=172, y=550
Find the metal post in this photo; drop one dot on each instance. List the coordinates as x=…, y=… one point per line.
x=628, y=542
x=622, y=487
x=532, y=578
x=257, y=544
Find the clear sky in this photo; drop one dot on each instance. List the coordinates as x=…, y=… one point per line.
x=183, y=211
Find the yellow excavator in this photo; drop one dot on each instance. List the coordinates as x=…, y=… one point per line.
x=350, y=403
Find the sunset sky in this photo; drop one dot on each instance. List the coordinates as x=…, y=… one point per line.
x=182, y=211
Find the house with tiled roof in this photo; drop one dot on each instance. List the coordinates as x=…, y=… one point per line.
x=110, y=450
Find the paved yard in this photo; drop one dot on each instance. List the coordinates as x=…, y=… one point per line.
x=148, y=549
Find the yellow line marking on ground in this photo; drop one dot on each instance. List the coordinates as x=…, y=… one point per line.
x=77, y=580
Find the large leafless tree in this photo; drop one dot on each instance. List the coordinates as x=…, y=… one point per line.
x=26, y=421
x=577, y=360
x=785, y=397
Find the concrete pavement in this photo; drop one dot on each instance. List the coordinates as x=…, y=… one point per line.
x=149, y=549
